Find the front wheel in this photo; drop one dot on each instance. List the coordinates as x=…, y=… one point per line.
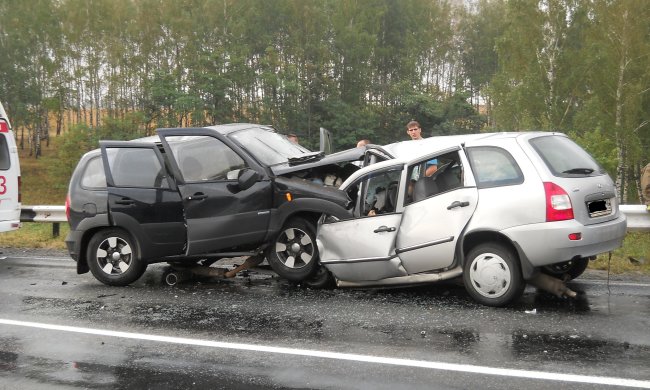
x=113, y=258
x=294, y=255
x=492, y=275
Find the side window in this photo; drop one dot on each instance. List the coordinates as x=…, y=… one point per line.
x=93, y=175
x=204, y=158
x=5, y=162
x=136, y=167
x=434, y=176
x=378, y=193
x=494, y=167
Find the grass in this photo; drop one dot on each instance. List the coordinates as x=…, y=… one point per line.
x=39, y=187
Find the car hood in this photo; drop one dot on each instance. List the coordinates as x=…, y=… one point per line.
x=350, y=155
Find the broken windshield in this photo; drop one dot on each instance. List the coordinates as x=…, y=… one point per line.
x=269, y=147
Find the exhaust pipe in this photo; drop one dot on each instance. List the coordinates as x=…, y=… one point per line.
x=553, y=285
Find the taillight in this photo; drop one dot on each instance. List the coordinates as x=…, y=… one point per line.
x=558, y=203
x=20, y=195
x=67, y=207
x=4, y=126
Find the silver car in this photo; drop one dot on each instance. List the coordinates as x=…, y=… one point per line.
x=499, y=209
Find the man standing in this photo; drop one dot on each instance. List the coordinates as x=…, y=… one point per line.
x=414, y=131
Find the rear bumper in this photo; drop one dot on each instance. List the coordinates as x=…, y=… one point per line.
x=548, y=243
x=73, y=243
x=6, y=226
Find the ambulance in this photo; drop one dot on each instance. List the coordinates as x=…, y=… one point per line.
x=9, y=176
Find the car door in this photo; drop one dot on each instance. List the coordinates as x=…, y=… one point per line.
x=142, y=199
x=436, y=212
x=218, y=212
x=363, y=248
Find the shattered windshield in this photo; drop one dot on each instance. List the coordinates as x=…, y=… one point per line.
x=267, y=146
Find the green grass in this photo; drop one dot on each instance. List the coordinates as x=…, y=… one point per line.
x=635, y=246
x=35, y=235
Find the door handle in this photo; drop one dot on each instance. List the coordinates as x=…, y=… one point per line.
x=457, y=204
x=382, y=229
x=125, y=202
x=197, y=196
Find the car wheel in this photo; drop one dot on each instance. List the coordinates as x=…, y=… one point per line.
x=572, y=268
x=294, y=255
x=492, y=275
x=321, y=279
x=113, y=258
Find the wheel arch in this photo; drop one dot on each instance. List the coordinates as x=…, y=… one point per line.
x=475, y=238
x=308, y=209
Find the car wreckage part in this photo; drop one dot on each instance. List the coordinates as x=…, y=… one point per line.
x=403, y=280
x=113, y=258
x=294, y=255
x=492, y=275
x=567, y=270
x=553, y=285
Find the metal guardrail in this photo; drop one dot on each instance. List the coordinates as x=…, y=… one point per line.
x=638, y=218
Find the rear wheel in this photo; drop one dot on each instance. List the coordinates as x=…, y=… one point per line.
x=571, y=268
x=492, y=275
x=294, y=255
x=113, y=259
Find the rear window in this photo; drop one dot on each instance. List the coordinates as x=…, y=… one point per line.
x=5, y=162
x=494, y=167
x=564, y=158
x=93, y=176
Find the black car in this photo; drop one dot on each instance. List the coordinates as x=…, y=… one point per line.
x=202, y=194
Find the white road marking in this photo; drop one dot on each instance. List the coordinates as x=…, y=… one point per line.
x=472, y=369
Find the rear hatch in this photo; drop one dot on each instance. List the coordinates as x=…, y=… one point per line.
x=573, y=170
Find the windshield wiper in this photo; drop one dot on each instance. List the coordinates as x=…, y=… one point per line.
x=584, y=171
x=307, y=157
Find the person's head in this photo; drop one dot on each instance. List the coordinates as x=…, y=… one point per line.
x=413, y=130
x=293, y=138
x=363, y=142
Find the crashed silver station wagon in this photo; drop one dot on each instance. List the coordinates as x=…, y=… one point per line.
x=500, y=209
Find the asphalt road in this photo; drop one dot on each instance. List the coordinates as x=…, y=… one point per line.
x=60, y=330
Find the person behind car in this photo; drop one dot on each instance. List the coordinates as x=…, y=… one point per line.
x=363, y=142
x=414, y=130
x=293, y=138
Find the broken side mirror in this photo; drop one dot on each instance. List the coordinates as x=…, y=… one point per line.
x=246, y=179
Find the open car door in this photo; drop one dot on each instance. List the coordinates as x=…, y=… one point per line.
x=142, y=199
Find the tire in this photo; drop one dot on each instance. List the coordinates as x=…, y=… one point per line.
x=492, y=275
x=293, y=254
x=321, y=279
x=571, y=268
x=113, y=259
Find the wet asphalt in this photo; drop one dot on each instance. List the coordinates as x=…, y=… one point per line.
x=211, y=333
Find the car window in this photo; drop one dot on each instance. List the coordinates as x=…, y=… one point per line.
x=377, y=192
x=494, y=167
x=267, y=146
x=434, y=176
x=5, y=161
x=93, y=176
x=205, y=158
x=136, y=167
x=564, y=157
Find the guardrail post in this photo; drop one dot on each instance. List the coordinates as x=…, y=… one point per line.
x=56, y=229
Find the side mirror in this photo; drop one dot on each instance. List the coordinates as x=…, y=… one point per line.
x=246, y=179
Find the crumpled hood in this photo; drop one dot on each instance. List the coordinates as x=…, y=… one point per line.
x=350, y=155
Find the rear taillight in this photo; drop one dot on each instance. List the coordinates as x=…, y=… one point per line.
x=558, y=203
x=20, y=195
x=4, y=126
x=67, y=207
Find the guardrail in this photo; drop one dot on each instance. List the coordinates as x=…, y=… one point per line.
x=638, y=218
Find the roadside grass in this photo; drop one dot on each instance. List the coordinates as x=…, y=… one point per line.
x=34, y=235
x=632, y=257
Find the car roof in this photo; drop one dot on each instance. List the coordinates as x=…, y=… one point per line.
x=413, y=150
x=224, y=129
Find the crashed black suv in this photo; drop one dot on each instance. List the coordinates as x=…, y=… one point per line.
x=202, y=194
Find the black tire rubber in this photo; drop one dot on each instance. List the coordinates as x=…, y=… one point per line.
x=121, y=264
x=321, y=279
x=293, y=255
x=492, y=275
x=571, y=268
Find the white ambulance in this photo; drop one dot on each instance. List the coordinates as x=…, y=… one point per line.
x=9, y=176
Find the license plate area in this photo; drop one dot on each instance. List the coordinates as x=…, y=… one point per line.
x=598, y=208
